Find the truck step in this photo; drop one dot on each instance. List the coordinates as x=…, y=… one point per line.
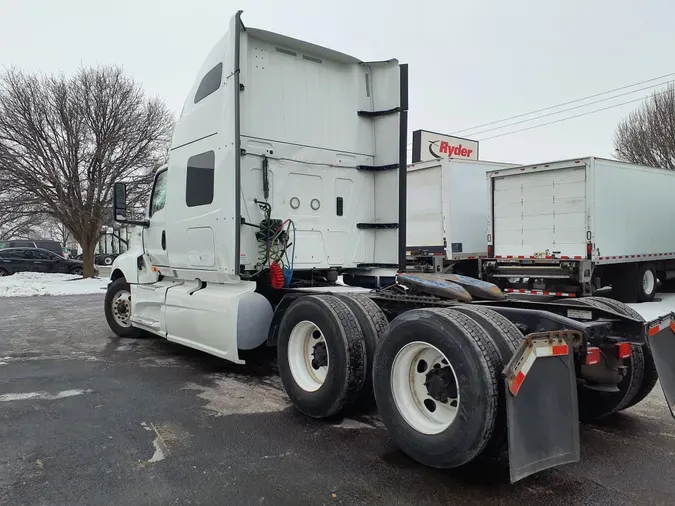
x=376, y=225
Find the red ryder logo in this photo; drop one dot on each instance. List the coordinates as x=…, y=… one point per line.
x=429, y=146
x=447, y=149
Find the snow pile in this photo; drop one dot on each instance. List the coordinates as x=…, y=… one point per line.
x=25, y=284
x=652, y=310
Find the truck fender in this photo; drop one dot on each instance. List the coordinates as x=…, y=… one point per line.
x=279, y=312
x=128, y=265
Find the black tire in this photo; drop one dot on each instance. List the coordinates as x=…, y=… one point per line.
x=507, y=338
x=346, y=349
x=114, y=288
x=594, y=404
x=373, y=324
x=624, y=281
x=645, y=270
x=76, y=271
x=650, y=376
x=3, y=272
x=107, y=260
x=503, y=332
x=474, y=359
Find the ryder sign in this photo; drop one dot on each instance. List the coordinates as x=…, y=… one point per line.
x=432, y=145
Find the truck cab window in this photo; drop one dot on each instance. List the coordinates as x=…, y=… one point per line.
x=210, y=82
x=158, y=193
x=199, y=180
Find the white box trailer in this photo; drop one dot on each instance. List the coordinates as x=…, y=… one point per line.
x=447, y=206
x=572, y=226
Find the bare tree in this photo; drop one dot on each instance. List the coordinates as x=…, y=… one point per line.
x=65, y=140
x=17, y=219
x=58, y=231
x=647, y=135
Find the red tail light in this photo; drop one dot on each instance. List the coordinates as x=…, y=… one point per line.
x=592, y=356
x=589, y=250
x=490, y=251
x=623, y=350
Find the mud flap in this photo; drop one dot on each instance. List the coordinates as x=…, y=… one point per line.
x=541, y=404
x=661, y=340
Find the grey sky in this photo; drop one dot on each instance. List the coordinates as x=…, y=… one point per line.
x=471, y=61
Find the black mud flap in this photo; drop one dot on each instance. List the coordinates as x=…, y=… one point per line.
x=661, y=340
x=541, y=404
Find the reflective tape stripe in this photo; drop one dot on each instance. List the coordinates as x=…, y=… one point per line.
x=539, y=292
x=527, y=365
x=552, y=351
x=659, y=326
x=540, y=347
x=619, y=258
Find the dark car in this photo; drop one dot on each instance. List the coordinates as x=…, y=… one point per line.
x=53, y=246
x=36, y=260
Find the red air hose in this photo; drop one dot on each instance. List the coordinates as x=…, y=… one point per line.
x=276, y=276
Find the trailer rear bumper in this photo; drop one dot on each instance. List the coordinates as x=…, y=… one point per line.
x=535, y=268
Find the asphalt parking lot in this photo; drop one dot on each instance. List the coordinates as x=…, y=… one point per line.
x=86, y=418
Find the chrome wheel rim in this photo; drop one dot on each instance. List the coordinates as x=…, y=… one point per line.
x=121, y=308
x=308, y=356
x=425, y=388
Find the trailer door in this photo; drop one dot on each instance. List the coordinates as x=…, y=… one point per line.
x=541, y=212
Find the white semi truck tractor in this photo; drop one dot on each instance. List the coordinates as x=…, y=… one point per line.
x=287, y=169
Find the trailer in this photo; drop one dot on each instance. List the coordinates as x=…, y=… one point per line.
x=447, y=203
x=286, y=169
x=574, y=226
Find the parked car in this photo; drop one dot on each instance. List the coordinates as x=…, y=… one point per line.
x=53, y=246
x=14, y=260
x=101, y=258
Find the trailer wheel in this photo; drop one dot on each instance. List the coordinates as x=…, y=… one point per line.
x=435, y=382
x=117, y=308
x=650, y=376
x=373, y=324
x=321, y=354
x=646, y=288
x=595, y=404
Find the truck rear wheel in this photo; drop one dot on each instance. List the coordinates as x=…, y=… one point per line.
x=507, y=338
x=373, y=324
x=321, y=354
x=650, y=376
x=117, y=308
x=435, y=382
x=594, y=404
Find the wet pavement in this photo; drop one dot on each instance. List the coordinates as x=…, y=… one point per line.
x=87, y=418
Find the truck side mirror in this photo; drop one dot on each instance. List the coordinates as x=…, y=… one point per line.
x=120, y=201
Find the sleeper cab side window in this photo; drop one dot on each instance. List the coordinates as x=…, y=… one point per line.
x=210, y=83
x=199, y=179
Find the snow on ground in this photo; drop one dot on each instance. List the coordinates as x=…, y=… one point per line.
x=663, y=304
x=24, y=284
